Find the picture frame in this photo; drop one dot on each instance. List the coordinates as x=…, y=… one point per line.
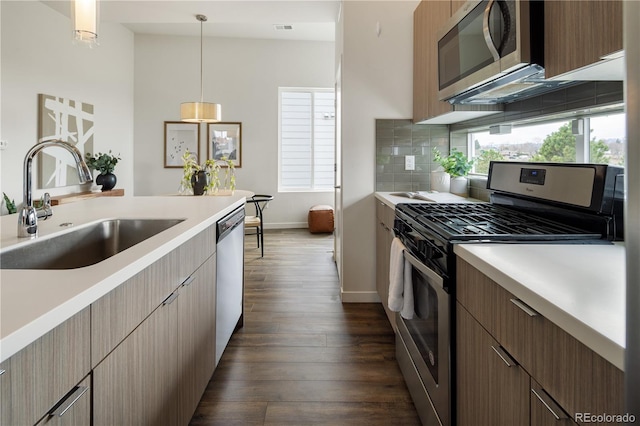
x=179, y=137
x=225, y=139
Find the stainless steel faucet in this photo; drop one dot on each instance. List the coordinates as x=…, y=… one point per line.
x=28, y=216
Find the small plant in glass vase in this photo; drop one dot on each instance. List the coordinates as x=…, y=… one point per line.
x=457, y=166
x=105, y=165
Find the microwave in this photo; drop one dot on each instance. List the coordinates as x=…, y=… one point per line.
x=492, y=51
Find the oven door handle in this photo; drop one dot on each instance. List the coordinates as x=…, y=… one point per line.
x=430, y=273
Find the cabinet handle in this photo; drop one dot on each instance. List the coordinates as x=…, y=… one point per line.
x=550, y=404
x=504, y=356
x=189, y=280
x=2, y=372
x=526, y=308
x=169, y=300
x=68, y=401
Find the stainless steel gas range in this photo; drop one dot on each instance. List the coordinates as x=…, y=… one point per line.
x=531, y=203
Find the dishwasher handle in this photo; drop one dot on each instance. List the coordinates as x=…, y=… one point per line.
x=230, y=222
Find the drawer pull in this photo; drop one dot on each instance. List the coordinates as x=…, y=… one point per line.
x=67, y=402
x=189, y=280
x=169, y=300
x=526, y=308
x=2, y=372
x=504, y=356
x=550, y=404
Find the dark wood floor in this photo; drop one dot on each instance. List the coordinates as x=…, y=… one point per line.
x=303, y=357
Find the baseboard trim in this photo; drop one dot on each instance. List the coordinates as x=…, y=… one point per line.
x=359, y=297
x=291, y=225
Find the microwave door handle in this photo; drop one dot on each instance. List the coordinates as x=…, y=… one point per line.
x=487, y=33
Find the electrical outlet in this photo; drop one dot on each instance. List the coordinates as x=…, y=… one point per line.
x=4, y=145
x=409, y=162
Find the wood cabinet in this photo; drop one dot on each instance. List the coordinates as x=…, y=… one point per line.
x=196, y=337
x=579, y=33
x=74, y=409
x=492, y=388
x=155, y=371
x=427, y=19
x=564, y=372
x=384, y=236
x=136, y=383
x=40, y=375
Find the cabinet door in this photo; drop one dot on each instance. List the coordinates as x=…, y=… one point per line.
x=545, y=411
x=74, y=409
x=5, y=392
x=492, y=389
x=384, y=237
x=579, y=33
x=580, y=380
x=42, y=373
x=427, y=19
x=196, y=337
x=136, y=384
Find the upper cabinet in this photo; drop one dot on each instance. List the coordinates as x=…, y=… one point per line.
x=427, y=18
x=580, y=33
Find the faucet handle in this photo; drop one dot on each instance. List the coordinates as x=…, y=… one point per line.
x=44, y=212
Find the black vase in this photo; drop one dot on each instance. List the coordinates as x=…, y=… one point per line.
x=107, y=180
x=198, y=182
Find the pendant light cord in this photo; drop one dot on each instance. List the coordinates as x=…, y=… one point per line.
x=202, y=19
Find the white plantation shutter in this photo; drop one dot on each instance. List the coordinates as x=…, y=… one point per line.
x=307, y=139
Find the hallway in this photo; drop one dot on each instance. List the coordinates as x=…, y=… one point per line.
x=303, y=357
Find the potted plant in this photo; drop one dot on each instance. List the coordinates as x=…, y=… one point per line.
x=457, y=166
x=104, y=164
x=198, y=179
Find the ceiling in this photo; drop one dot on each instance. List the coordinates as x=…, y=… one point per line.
x=310, y=19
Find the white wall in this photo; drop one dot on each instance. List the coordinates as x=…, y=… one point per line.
x=243, y=75
x=377, y=81
x=38, y=56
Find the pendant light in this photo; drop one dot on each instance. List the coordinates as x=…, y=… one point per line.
x=84, y=16
x=200, y=112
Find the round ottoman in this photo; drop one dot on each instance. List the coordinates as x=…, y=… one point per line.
x=321, y=218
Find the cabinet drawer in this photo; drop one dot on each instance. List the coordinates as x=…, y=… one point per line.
x=498, y=311
x=385, y=214
x=42, y=373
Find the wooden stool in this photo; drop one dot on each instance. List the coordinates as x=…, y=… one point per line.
x=321, y=219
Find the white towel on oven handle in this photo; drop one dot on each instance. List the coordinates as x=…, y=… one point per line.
x=400, y=283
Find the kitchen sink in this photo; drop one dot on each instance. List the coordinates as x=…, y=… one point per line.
x=85, y=245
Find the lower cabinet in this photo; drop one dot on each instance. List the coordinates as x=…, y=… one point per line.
x=159, y=372
x=40, y=378
x=196, y=337
x=515, y=367
x=492, y=388
x=384, y=236
x=74, y=409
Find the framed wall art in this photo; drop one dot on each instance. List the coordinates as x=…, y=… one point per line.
x=225, y=140
x=68, y=120
x=178, y=138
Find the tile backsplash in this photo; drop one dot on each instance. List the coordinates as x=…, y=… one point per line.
x=396, y=139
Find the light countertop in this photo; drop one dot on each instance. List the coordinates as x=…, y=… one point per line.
x=33, y=302
x=393, y=198
x=580, y=288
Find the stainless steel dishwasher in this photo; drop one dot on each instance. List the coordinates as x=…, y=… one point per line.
x=229, y=277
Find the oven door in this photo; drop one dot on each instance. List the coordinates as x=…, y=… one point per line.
x=427, y=339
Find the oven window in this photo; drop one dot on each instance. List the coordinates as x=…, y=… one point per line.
x=423, y=328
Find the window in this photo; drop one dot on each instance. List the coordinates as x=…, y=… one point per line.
x=307, y=139
x=565, y=140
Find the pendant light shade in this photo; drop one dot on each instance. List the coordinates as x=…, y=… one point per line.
x=200, y=112
x=84, y=16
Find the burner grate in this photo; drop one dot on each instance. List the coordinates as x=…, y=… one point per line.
x=489, y=222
